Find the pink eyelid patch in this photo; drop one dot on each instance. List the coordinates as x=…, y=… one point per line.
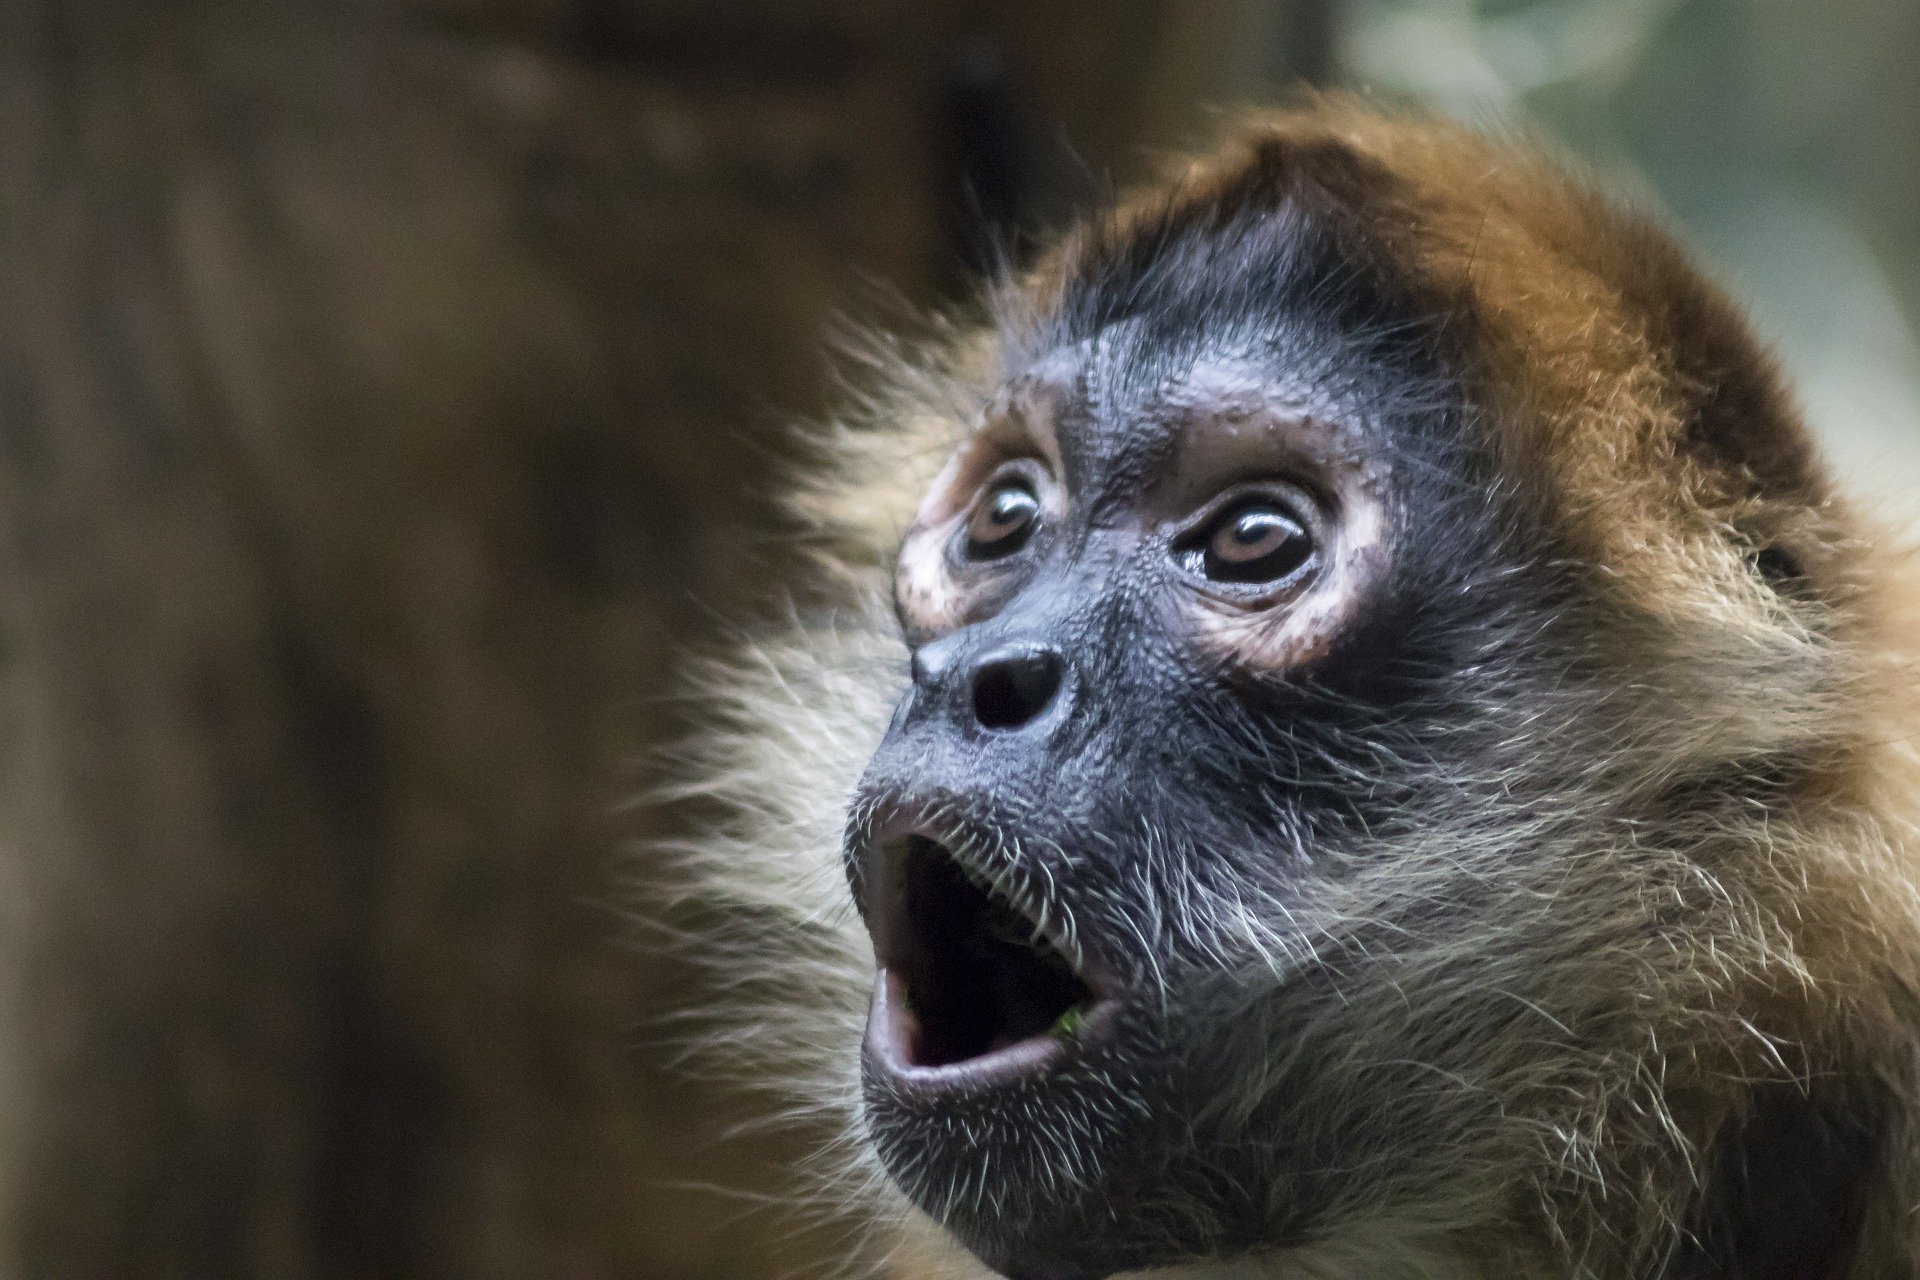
x=1017, y=422
x=1234, y=429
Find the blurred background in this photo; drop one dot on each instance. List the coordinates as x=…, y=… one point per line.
x=389, y=392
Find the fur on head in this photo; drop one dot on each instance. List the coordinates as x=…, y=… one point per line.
x=1599, y=957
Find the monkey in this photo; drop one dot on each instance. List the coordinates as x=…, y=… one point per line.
x=1349, y=734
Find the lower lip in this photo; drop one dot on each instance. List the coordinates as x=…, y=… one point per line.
x=890, y=1029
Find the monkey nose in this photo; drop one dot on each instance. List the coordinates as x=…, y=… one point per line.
x=1011, y=688
x=997, y=686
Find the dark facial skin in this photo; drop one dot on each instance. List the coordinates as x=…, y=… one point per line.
x=1189, y=578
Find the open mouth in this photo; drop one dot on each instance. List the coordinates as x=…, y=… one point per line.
x=970, y=989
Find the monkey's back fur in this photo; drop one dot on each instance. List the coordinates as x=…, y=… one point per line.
x=1657, y=961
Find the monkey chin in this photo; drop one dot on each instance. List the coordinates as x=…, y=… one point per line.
x=999, y=1077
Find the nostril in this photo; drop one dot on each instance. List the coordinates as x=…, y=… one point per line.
x=1011, y=691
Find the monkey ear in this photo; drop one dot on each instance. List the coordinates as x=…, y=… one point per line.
x=1779, y=567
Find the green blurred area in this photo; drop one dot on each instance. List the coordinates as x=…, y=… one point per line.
x=1784, y=138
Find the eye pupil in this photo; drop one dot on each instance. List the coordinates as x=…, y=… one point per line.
x=1003, y=520
x=1254, y=530
x=1256, y=542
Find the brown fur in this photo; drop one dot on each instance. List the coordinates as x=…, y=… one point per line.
x=1633, y=406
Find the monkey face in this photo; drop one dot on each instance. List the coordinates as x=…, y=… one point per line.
x=1179, y=625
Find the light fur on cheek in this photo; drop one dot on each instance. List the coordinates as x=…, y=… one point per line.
x=929, y=598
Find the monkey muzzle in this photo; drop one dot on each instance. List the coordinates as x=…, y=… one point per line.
x=979, y=985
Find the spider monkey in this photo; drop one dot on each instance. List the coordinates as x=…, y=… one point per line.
x=1381, y=753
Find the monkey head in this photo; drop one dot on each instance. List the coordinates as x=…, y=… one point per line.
x=1399, y=763
x=1371, y=652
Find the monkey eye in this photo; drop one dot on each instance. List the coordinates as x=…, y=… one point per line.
x=1003, y=518
x=1255, y=540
